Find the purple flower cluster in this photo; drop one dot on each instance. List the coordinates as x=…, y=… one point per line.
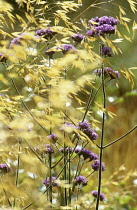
x=52, y=137
x=15, y=41
x=44, y=149
x=67, y=48
x=85, y=127
x=47, y=33
x=96, y=164
x=106, y=51
x=95, y=194
x=108, y=72
x=86, y=154
x=80, y=180
x=47, y=181
x=4, y=169
x=101, y=26
x=78, y=38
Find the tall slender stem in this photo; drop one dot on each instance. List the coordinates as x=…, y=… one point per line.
x=65, y=172
x=69, y=176
x=50, y=171
x=102, y=136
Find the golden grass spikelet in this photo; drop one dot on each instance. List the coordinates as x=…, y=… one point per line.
x=5, y=6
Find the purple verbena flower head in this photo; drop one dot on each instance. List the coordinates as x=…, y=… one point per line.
x=101, y=26
x=80, y=180
x=47, y=181
x=4, y=169
x=78, y=38
x=15, y=41
x=96, y=164
x=91, y=33
x=106, y=51
x=103, y=20
x=67, y=48
x=83, y=125
x=108, y=20
x=47, y=33
x=52, y=137
x=86, y=154
x=93, y=21
x=90, y=133
x=44, y=149
x=95, y=194
x=108, y=72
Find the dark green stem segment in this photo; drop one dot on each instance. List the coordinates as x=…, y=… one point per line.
x=69, y=176
x=50, y=175
x=18, y=166
x=102, y=136
x=65, y=176
x=120, y=137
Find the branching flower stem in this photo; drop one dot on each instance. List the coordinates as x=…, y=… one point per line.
x=91, y=98
x=120, y=137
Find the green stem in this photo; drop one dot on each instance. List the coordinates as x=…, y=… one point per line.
x=65, y=174
x=120, y=137
x=69, y=176
x=50, y=175
x=102, y=138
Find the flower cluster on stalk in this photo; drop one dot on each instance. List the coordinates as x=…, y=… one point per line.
x=101, y=196
x=108, y=72
x=80, y=181
x=49, y=181
x=101, y=26
x=47, y=33
x=78, y=38
x=4, y=169
x=96, y=165
x=86, y=154
x=85, y=127
x=44, y=149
